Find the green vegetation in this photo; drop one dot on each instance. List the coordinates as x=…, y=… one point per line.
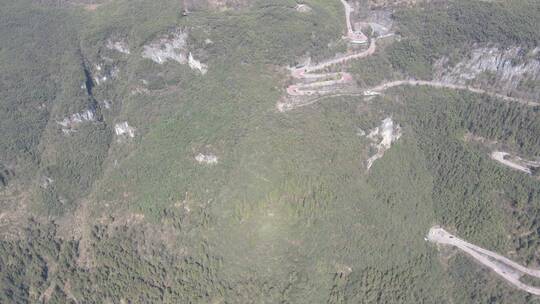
x=474, y=285
x=441, y=28
x=445, y=29
x=28, y=58
x=289, y=213
x=466, y=180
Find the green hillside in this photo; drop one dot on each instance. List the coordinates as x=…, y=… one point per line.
x=287, y=212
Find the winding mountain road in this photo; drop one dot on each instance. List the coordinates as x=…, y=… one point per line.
x=322, y=85
x=352, y=35
x=319, y=85
x=306, y=73
x=504, y=267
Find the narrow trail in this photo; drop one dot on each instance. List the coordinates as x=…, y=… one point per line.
x=324, y=85
x=506, y=268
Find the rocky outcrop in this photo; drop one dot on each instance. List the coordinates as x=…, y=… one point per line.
x=71, y=122
x=514, y=71
x=173, y=47
x=168, y=47
x=207, y=159
x=303, y=8
x=104, y=72
x=123, y=129
x=194, y=64
x=382, y=138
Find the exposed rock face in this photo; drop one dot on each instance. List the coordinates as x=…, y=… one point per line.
x=208, y=159
x=124, y=129
x=169, y=47
x=118, y=45
x=513, y=71
x=104, y=72
x=173, y=47
x=383, y=137
x=69, y=123
x=197, y=65
x=303, y=8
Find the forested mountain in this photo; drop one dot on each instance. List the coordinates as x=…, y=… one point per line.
x=275, y=151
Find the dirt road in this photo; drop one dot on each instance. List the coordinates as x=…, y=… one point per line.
x=302, y=72
x=300, y=90
x=504, y=267
x=311, y=88
x=436, y=84
x=352, y=35
x=514, y=162
x=500, y=157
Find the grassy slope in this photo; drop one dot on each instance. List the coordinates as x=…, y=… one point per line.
x=289, y=207
x=281, y=180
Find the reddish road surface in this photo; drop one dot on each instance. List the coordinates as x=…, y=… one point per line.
x=326, y=86
x=352, y=35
